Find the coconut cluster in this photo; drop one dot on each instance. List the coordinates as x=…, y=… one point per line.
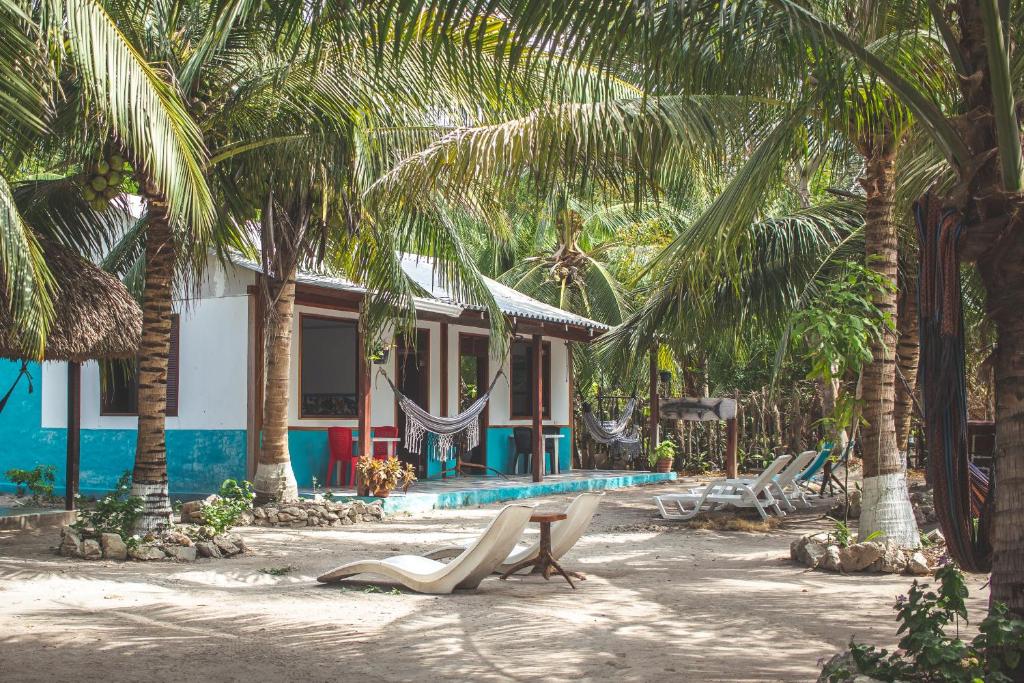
x=102, y=182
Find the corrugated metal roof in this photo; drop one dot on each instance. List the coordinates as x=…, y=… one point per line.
x=420, y=270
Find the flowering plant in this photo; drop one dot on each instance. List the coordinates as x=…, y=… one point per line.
x=383, y=476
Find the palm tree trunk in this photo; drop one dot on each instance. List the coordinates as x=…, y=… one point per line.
x=1005, y=305
x=885, y=502
x=995, y=240
x=275, y=479
x=149, y=476
x=908, y=352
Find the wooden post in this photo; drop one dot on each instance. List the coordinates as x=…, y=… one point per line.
x=731, y=440
x=654, y=400
x=572, y=408
x=364, y=403
x=537, y=401
x=74, y=434
x=444, y=370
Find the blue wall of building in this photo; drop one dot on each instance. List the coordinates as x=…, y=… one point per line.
x=197, y=460
x=310, y=454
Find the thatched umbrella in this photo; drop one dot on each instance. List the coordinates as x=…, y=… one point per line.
x=95, y=318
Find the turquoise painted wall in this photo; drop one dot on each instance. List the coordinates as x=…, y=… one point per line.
x=310, y=454
x=197, y=460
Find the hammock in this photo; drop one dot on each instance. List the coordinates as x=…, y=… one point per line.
x=612, y=431
x=961, y=495
x=419, y=423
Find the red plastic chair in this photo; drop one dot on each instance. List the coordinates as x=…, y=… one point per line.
x=380, y=449
x=339, y=439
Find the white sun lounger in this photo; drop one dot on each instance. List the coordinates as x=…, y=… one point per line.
x=564, y=534
x=466, y=571
x=720, y=493
x=783, y=486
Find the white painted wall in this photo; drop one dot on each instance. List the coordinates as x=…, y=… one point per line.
x=499, y=411
x=213, y=372
x=212, y=365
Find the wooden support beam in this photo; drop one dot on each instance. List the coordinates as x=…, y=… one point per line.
x=537, y=403
x=444, y=369
x=254, y=378
x=74, y=432
x=572, y=410
x=364, y=403
x=655, y=402
x=731, y=442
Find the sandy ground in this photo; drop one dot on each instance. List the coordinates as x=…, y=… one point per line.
x=660, y=603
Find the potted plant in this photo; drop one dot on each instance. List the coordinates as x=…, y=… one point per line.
x=380, y=477
x=661, y=459
x=378, y=353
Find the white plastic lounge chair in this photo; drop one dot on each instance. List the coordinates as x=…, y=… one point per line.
x=783, y=486
x=564, y=534
x=466, y=571
x=720, y=493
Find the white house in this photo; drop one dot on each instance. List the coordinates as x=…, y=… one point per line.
x=215, y=382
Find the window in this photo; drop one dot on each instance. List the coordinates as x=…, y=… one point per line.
x=328, y=367
x=521, y=383
x=119, y=381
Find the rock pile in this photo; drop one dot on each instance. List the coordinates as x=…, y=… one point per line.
x=169, y=545
x=301, y=513
x=820, y=551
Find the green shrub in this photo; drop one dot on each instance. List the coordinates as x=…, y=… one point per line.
x=38, y=480
x=234, y=499
x=928, y=654
x=664, y=449
x=115, y=513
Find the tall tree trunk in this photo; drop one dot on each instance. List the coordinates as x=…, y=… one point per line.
x=275, y=479
x=829, y=397
x=149, y=476
x=1005, y=304
x=995, y=239
x=908, y=352
x=885, y=502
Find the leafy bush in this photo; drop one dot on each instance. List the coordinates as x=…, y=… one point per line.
x=664, y=449
x=39, y=480
x=222, y=513
x=928, y=654
x=385, y=475
x=115, y=513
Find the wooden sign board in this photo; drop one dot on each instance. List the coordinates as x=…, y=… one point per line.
x=698, y=409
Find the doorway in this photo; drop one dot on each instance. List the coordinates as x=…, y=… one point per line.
x=412, y=366
x=473, y=379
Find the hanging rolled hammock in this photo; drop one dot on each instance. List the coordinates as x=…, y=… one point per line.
x=419, y=423
x=962, y=493
x=612, y=431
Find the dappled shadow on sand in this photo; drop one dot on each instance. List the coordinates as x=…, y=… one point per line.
x=658, y=603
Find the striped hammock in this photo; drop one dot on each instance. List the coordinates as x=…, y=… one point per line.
x=612, y=431
x=419, y=423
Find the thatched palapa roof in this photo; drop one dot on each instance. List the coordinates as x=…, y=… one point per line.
x=95, y=316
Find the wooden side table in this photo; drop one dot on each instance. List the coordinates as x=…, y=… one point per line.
x=544, y=563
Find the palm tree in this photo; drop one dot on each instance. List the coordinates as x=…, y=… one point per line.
x=104, y=95
x=974, y=124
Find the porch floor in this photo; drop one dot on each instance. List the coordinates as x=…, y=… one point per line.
x=465, y=491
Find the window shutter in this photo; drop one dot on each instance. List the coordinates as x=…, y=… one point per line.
x=172, y=369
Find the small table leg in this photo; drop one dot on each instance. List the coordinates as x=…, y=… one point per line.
x=544, y=563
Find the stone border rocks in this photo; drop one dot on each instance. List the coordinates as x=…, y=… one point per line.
x=297, y=514
x=170, y=545
x=819, y=551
